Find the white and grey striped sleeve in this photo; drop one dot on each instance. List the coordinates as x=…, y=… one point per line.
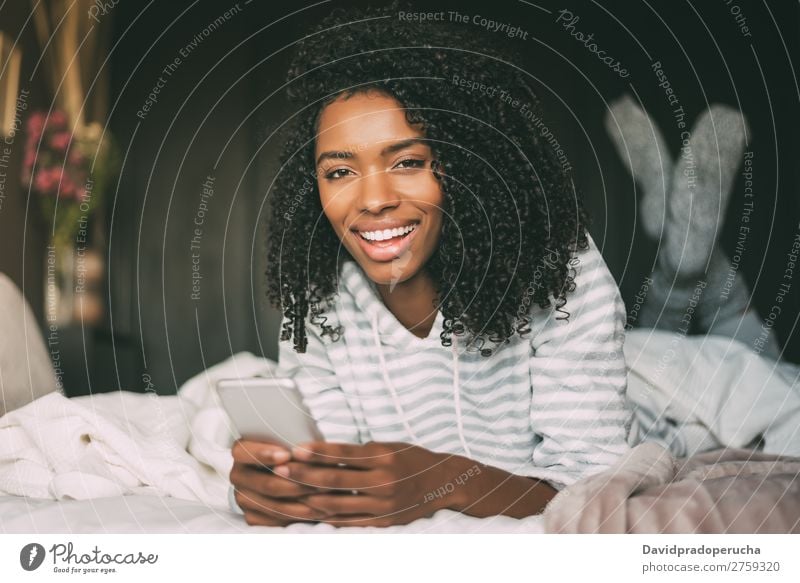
x=579, y=379
x=319, y=385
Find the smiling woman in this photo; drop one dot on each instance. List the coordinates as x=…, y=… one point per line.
x=423, y=278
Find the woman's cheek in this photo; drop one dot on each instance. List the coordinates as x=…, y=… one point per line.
x=421, y=188
x=334, y=206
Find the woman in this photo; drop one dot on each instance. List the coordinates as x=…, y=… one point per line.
x=450, y=322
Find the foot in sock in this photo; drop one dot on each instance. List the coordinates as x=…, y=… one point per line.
x=642, y=149
x=701, y=185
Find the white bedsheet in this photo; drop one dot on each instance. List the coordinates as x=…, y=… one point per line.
x=697, y=393
x=153, y=514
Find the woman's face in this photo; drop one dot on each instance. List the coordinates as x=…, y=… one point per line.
x=377, y=187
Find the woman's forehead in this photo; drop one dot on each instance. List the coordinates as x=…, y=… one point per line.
x=363, y=122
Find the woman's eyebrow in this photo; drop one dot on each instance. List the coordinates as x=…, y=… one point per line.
x=390, y=149
x=401, y=145
x=335, y=154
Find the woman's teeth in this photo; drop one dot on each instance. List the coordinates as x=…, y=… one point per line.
x=387, y=233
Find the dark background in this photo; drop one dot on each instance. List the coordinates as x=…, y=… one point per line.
x=209, y=118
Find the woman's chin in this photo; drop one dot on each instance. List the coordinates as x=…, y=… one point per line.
x=388, y=273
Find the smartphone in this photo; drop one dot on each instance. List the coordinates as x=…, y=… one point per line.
x=268, y=409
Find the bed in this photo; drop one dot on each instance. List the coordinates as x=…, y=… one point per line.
x=128, y=462
x=722, y=454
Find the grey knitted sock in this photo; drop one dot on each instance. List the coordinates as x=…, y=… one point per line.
x=728, y=294
x=671, y=302
x=701, y=186
x=727, y=308
x=642, y=149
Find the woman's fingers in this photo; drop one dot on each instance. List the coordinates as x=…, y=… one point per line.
x=365, y=456
x=264, y=481
x=353, y=520
x=258, y=519
x=349, y=504
x=373, y=482
x=362, y=520
x=283, y=510
x=259, y=453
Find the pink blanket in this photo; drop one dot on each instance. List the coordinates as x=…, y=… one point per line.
x=649, y=491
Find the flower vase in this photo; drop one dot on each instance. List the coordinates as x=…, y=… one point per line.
x=60, y=282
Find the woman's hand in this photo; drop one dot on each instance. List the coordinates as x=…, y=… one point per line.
x=267, y=499
x=396, y=483
x=375, y=484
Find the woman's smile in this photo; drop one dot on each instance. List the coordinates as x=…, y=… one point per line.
x=385, y=242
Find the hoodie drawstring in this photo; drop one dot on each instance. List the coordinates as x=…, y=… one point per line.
x=399, y=409
x=457, y=399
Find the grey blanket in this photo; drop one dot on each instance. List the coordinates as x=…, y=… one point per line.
x=650, y=491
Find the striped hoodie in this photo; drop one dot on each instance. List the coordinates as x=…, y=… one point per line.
x=550, y=406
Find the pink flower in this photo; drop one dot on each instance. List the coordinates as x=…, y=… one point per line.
x=30, y=158
x=76, y=157
x=58, y=120
x=68, y=189
x=47, y=179
x=60, y=141
x=35, y=126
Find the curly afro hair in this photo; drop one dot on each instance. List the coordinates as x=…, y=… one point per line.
x=512, y=217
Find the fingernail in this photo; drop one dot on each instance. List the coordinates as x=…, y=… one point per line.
x=300, y=453
x=280, y=456
x=281, y=471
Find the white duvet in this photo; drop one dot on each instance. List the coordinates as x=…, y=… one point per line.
x=118, y=443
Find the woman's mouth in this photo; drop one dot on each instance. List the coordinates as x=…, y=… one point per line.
x=386, y=244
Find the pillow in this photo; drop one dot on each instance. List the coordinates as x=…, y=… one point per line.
x=26, y=372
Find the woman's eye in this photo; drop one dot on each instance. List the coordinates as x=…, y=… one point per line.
x=336, y=173
x=410, y=163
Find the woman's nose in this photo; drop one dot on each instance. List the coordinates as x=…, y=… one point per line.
x=376, y=192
